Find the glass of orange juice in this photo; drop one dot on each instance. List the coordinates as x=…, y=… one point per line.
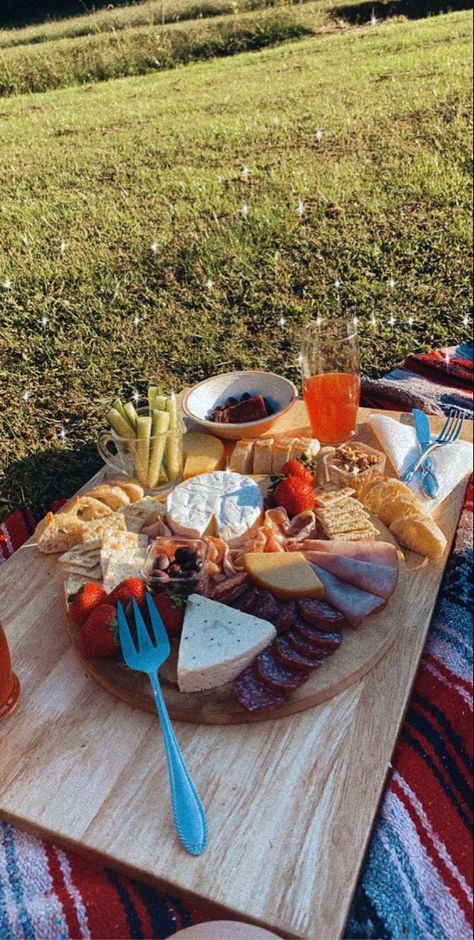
x=330, y=364
x=9, y=684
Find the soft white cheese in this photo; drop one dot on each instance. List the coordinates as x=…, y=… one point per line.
x=221, y=503
x=217, y=643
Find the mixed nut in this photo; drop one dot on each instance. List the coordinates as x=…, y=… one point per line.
x=353, y=459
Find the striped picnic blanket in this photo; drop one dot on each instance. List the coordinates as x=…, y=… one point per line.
x=416, y=881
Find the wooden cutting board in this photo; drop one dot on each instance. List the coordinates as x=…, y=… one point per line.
x=290, y=802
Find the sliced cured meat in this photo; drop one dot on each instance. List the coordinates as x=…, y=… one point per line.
x=298, y=642
x=380, y=553
x=251, y=692
x=377, y=579
x=276, y=676
x=355, y=604
x=286, y=616
x=229, y=590
x=267, y=607
x=247, y=601
x=320, y=614
x=287, y=655
x=320, y=639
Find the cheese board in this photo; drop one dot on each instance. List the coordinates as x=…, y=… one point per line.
x=75, y=758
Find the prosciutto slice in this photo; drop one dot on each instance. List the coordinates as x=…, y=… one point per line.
x=376, y=579
x=355, y=604
x=379, y=553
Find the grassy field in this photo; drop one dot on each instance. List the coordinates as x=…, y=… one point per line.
x=125, y=253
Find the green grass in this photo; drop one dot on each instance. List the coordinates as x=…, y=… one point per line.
x=60, y=62
x=113, y=168
x=149, y=13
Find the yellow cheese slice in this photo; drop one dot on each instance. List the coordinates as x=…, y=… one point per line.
x=288, y=575
x=203, y=453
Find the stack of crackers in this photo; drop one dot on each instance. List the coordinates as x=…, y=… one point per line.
x=343, y=518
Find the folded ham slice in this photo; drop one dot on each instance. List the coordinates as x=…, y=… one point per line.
x=355, y=604
x=379, y=553
x=376, y=579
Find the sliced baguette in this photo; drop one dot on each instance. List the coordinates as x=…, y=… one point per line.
x=58, y=533
x=113, y=496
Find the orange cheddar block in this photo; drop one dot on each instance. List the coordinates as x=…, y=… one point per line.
x=288, y=575
x=203, y=453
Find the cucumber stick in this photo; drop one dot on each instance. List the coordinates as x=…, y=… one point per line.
x=142, y=453
x=119, y=424
x=117, y=404
x=173, y=450
x=153, y=391
x=160, y=423
x=160, y=402
x=131, y=414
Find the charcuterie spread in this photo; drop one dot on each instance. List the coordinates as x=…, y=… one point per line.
x=259, y=559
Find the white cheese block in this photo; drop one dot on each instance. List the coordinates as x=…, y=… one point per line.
x=222, y=503
x=217, y=644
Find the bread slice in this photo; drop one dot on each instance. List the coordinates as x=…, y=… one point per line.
x=86, y=508
x=133, y=489
x=113, y=496
x=241, y=460
x=58, y=533
x=420, y=534
x=263, y=456
x=281, y=454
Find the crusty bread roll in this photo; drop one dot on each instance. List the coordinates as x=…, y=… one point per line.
x=420, y=533
x=58, y=533
x=399, y=508
x=113, y=496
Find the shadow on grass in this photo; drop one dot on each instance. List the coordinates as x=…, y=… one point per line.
x=412, y=9
x=49, y=475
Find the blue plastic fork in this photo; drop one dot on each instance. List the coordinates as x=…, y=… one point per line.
x=188, y=812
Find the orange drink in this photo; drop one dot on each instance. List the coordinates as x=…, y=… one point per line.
x=9, y=685
x=330, y=365
x=332, y=401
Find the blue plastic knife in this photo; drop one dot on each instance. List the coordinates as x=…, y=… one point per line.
x=429, y=481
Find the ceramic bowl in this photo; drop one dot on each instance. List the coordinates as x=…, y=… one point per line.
x=207, y=395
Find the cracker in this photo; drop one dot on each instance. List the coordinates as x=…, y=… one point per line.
x=83, y=559
x=145, y=511
x=91, y=574
x=96, y=528
x=118, y=572
x=362, y=536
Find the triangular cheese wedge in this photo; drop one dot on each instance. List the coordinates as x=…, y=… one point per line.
x=217, y=644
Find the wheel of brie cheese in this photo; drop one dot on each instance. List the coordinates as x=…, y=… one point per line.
x=223, y=504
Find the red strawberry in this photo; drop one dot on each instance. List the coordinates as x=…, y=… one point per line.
x=98, y=635
x=131, y=587
x=295, y=494
x=296, y=468
x=88, y=597
x=172, y=610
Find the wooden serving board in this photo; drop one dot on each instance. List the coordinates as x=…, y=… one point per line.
x=359, y=653
x=290, y=803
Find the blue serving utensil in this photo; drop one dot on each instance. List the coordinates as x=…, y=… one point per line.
x=429, y=480
x=188, y=812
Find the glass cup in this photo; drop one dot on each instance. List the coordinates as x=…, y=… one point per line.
x=157, y=463
x=330, y=367
x=9, y=684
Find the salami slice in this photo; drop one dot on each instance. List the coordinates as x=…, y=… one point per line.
x=319, y=638
x=288, y=656
x=303, y=646
x=276, y=676
x=226, y=592
x=286, y=616
x=247, y=601
x=254, y=695
x=267, y=607
x=320, y=614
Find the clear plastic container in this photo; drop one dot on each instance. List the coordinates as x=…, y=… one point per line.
x=159, y=571
x=356, y=475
